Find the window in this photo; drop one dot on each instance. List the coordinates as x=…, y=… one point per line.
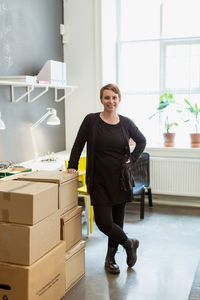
x=157, y=50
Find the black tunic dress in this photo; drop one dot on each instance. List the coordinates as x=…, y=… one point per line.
x=109, y=149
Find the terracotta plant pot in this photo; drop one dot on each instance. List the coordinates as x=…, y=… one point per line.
x=195, y=140
x=169, y=139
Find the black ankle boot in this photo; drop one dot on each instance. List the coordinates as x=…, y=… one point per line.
x=110, y=262
x=131, y=246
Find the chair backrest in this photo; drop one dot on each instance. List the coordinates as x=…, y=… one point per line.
x=82, y=163
x=81, y=168
x=141, y=169
x=66, y=164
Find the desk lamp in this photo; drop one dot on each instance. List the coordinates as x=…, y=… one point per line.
x=2, y=125
x=52, y=120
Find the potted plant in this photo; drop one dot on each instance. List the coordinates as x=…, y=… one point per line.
x=168, y=136
x=195, y=112
x=166, y=101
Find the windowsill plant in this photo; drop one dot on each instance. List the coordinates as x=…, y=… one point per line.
x=195, y=113
x=166, y=102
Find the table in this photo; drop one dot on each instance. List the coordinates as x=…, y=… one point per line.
x=53, y=161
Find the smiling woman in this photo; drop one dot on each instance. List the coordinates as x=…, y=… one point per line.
x=107, y=136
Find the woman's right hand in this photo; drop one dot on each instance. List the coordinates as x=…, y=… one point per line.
x=71, y=171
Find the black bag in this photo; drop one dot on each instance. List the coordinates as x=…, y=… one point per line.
x=126, y=177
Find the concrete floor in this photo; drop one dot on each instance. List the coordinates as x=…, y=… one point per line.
x=167, y=257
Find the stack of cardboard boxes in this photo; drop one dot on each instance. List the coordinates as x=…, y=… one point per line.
x=37, y=211
x=70, y=216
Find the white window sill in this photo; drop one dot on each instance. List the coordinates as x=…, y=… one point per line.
x=177, y=151
x=180, y=152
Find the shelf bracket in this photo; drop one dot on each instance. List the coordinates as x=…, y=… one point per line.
x=36, y=97
x=67, y=90
x=29, y=90
x=65, y=94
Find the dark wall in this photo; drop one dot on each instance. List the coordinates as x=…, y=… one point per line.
x=29, y=36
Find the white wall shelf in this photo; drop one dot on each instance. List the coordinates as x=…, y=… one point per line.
x=30, y=87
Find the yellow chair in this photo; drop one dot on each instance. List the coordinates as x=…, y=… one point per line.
x=82, y=191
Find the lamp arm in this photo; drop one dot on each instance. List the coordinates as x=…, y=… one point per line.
x=40, y=120
x=51, y=111
x=32, y=133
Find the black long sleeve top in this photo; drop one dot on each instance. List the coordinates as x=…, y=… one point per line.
x=87, y=133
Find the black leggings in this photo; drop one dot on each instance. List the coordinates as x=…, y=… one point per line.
x=110, y=220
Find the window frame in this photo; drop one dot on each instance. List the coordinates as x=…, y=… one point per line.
x=164, y=42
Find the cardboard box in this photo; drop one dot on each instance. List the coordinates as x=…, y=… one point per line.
x=24, y=244
x=27, y=202
x=75, y=264
x=71, y=227
x=67, y=186
x=43, y=280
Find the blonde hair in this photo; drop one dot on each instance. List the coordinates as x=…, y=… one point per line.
x=111, y=86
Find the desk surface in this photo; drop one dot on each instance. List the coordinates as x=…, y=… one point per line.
x=55, y=161
x=44, y=163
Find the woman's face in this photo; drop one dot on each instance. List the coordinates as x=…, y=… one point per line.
x=110, y=101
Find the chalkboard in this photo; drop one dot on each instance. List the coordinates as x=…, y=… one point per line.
x=29, y=36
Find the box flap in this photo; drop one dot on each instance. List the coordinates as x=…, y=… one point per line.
x=59, y=245
x=11, y=177
x=33, y=188
x=13, y=185
x=71, y=213
x=79, y=246
x=24, y=187
x=49, y=176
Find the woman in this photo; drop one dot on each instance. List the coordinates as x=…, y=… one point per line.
x=107, y=136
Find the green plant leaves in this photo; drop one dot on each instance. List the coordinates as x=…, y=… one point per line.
x=163, y=105
x=169, y=125
x=165, y=101
x=195, y=110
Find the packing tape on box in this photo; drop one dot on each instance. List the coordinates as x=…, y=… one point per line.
x=5, y=215
x=6, y=196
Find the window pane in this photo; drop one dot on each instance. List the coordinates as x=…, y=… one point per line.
x=139, y=67
x=139, y=109
x=108, y=36
x=183, y=66
x=140, y=19
x=181, y=18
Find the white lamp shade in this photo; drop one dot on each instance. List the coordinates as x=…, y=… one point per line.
x=53, y=120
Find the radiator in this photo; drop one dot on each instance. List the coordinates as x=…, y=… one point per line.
x=175, y=176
